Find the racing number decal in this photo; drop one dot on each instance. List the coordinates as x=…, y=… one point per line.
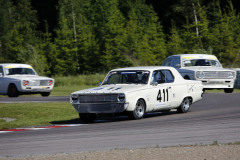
x=159, y=97
x=165, y=95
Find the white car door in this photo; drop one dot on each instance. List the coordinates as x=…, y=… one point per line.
x=162, y=81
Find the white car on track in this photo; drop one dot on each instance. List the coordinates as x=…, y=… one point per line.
x=16, y=79
x=205, y=68
x=136, y=91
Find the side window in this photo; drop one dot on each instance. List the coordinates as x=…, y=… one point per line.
x=176, y=61
x=167, y=62
x=168, y=76
x=215, y=63
x=163, y=76
x=158, y=77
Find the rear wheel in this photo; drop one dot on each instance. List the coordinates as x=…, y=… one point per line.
x=138, y=111
x=12, y=91
x=228, y=90
x=185, y=106
x=87, y=117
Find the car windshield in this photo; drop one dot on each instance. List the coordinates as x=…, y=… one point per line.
x=20, y=71
x=200, y=62
x=127, y=77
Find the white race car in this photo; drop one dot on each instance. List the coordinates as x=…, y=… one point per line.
x=136, y=91
x=16, y=79
x=205, y=68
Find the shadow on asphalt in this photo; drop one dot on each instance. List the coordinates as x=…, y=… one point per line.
x=112, y=118
x=72, y=121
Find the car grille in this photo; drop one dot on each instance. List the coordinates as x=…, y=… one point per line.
x=98, y=98
x=38, y=83
x=216, y=74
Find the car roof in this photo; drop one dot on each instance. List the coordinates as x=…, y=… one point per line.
x=192, y=56
x=14, y=65
x=150, y=68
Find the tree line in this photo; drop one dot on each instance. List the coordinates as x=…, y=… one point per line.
x=89, y=36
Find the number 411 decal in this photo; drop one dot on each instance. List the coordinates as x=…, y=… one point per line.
x=162, y=96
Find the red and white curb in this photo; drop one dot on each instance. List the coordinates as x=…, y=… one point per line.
x=38, y=128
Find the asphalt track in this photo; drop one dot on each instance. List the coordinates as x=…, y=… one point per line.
x=216, y=118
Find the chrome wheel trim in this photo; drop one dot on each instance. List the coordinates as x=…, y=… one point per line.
x=186, y=104
x=139, y=109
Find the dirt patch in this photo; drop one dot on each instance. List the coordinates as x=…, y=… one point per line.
x=8, y=119
x=209, y=152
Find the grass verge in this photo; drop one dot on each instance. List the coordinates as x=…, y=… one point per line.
x=33, y=114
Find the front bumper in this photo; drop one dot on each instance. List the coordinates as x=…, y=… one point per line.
x=100, y=107
x=217, y=83
x=36, y=89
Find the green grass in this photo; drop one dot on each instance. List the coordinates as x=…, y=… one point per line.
x=35, y=114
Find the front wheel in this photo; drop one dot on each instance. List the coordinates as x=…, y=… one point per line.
x=185, y=106
x=228, y=90
x=12, y=91
x=138, y=111
x=45, y=94
x=87, y=117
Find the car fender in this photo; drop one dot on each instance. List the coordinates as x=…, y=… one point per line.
x=133, y=100
x=17, y=83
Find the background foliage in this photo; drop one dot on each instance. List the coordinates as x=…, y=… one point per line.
x=71, y=37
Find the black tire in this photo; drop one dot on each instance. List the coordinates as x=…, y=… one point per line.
x=45, y=94
x=228, y=90
x=186, y=77
x=185, y=106
x=138, y=111
x=87, y=117
x=12, y=91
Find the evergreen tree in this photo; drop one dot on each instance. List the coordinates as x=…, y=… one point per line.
x=5, y=26
x=175, y=42
x=65, y=50
x=108, y=23
x=226, y=33
x=18, y=40
x=22, y=33
x=145, y=40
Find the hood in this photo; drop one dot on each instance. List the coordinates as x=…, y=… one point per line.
x=117, y=88
x=205, y=68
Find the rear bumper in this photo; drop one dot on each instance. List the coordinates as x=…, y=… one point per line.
x=100, y=107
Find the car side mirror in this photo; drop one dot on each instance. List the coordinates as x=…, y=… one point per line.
x=178, y=65
x=99, y=83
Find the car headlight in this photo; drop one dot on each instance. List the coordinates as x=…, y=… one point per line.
x=25, y=82
x=200, y=75
x=50, y=82
x=121, y=97
x=74, y=98
x=231, y=75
